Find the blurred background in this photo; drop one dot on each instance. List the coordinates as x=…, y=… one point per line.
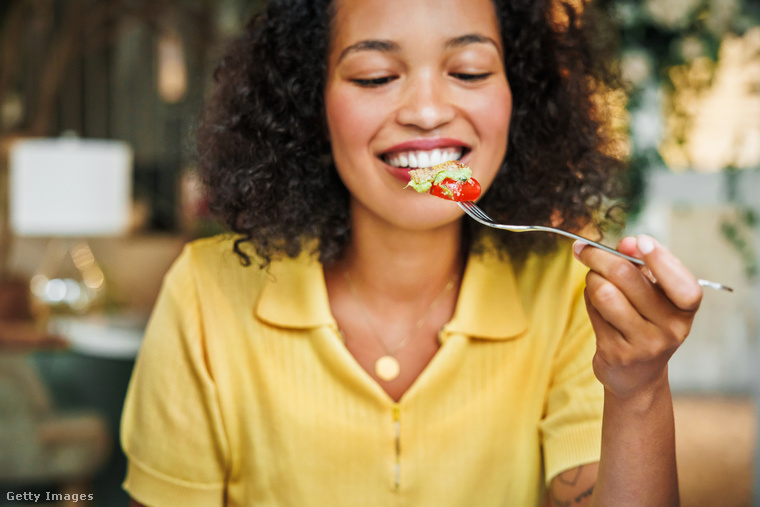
x=98, y=100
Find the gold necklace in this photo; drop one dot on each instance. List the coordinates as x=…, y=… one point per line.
x=387, y=366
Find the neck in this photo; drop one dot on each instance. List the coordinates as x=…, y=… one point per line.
x=397, y=296
x=399, y=264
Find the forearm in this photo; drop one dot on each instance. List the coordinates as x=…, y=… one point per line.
x=638, y=462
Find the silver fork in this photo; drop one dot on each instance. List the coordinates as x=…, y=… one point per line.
x=479, y=215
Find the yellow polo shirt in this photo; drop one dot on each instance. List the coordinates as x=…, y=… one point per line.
x=244, y=394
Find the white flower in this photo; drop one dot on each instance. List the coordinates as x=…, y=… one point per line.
x=721, y=17
x=626, y=12
x=691, y=48
x=646, y=121
x=636, y=67
x=673, y=14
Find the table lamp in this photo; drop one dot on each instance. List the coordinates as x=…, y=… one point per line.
x=67, y=190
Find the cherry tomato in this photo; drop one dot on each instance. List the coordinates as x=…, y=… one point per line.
x=455, y=190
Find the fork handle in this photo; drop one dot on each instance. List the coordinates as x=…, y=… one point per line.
x=700, y=281
x=478, y=215
x=588, y=242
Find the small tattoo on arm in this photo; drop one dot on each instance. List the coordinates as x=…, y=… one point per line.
x=578, y=499
x=585, y=494
x=570, y=477
x=559, y=503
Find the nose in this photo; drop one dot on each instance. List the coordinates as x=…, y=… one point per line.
x=426, y=103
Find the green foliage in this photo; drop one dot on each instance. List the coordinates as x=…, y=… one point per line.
x=658, y=41
x=737, y=229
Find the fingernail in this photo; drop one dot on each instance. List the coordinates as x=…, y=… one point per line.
x=645, y=244
x=577, y=247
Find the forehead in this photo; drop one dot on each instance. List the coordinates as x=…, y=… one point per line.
x=411, y=21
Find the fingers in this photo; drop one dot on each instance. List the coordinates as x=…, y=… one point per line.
x=602, y=327
x=676, y=281
x=627, y=246
x=626, y=297
x=611, y=345
x=615, y=318
x=626, y=367
x=638, y=323
x=614, y=282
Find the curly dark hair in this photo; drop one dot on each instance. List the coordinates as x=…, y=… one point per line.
x=266, y=164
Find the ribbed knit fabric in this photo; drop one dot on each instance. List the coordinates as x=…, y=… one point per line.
x=244, y=394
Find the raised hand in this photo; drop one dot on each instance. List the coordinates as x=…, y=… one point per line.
x=639, y=323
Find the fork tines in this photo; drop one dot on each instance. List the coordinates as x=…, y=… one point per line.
x=473, y=210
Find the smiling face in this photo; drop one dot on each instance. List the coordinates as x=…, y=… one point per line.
x=412, y=83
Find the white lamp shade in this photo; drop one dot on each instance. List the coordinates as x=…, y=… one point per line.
x=70, y=187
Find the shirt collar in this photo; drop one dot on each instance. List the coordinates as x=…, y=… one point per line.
x=489, y=305
x=294, y=295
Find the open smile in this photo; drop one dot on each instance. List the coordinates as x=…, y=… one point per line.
x=423, y=158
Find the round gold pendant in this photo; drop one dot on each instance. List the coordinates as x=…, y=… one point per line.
x=387, y=368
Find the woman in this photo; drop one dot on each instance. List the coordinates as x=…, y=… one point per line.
x=367, y=345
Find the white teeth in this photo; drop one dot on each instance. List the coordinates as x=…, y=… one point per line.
x=435, y=157
x=424, y=158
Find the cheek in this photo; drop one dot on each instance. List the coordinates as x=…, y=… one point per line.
x=348, y=122
x=494, y=116
x=491, y=119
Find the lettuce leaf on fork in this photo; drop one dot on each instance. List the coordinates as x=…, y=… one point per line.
x=424, y=178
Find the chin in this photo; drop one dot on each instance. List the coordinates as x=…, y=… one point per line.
x=429, y=212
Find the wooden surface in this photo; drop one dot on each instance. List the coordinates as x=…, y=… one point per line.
x=716, y=438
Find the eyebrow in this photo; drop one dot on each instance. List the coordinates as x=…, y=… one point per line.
x=387, y=46
x=472, y=38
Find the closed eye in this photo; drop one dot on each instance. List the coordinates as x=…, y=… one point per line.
x=374, y=82
x=462, y=76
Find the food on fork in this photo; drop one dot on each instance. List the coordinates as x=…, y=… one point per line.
x=450, y=180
